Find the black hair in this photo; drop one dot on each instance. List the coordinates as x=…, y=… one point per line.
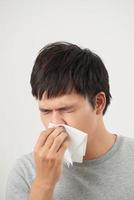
x=62, y=66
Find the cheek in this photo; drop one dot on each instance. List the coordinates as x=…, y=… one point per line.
x=86, y=121
x=90, y=124
x=75, y=120
x=45, y=120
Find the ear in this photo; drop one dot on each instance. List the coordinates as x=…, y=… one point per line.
x=100, y=102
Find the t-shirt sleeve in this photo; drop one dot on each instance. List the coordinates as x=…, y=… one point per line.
x=17, y=185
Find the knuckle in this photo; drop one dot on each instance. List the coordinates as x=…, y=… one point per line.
x=41, y=155
x=50, y=158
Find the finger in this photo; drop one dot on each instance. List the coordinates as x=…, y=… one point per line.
x=53, y=136
x=63, y=148
x=57, y=142
x=42, y=138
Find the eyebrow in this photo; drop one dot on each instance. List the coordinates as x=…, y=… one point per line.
x=61, y=108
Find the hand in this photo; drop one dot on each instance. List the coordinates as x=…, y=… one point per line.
x=49, y=152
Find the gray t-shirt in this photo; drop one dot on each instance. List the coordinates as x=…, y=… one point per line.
x=110, y=177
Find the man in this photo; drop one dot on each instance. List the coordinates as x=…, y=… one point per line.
x=71, y=86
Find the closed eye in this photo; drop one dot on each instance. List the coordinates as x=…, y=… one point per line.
x=44, y=111
x=63, y=109
x=60, y=110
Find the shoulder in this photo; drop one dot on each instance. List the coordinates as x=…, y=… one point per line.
x=127, y=144
x=25, y=166
x=26, y=161
x=128, y=141
x=21, y=176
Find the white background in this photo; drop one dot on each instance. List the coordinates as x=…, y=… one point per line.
x=106, y=27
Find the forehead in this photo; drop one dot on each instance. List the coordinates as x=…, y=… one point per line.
x=65, y=100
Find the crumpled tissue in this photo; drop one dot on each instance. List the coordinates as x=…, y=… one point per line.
x=77, y=145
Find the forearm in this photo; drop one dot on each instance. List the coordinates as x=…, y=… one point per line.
x=40, y=192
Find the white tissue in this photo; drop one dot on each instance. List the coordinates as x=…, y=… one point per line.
x=77, y=146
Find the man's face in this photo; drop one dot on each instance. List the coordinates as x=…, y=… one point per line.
x=70, y=109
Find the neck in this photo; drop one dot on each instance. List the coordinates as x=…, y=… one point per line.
x=99, y=143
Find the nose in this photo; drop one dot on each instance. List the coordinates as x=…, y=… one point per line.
x=57, y=118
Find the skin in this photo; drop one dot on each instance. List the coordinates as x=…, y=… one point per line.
x=81, y=116
x=76, y=111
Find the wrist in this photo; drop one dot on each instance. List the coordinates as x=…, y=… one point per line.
x=40, y=191
x=43, y=185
